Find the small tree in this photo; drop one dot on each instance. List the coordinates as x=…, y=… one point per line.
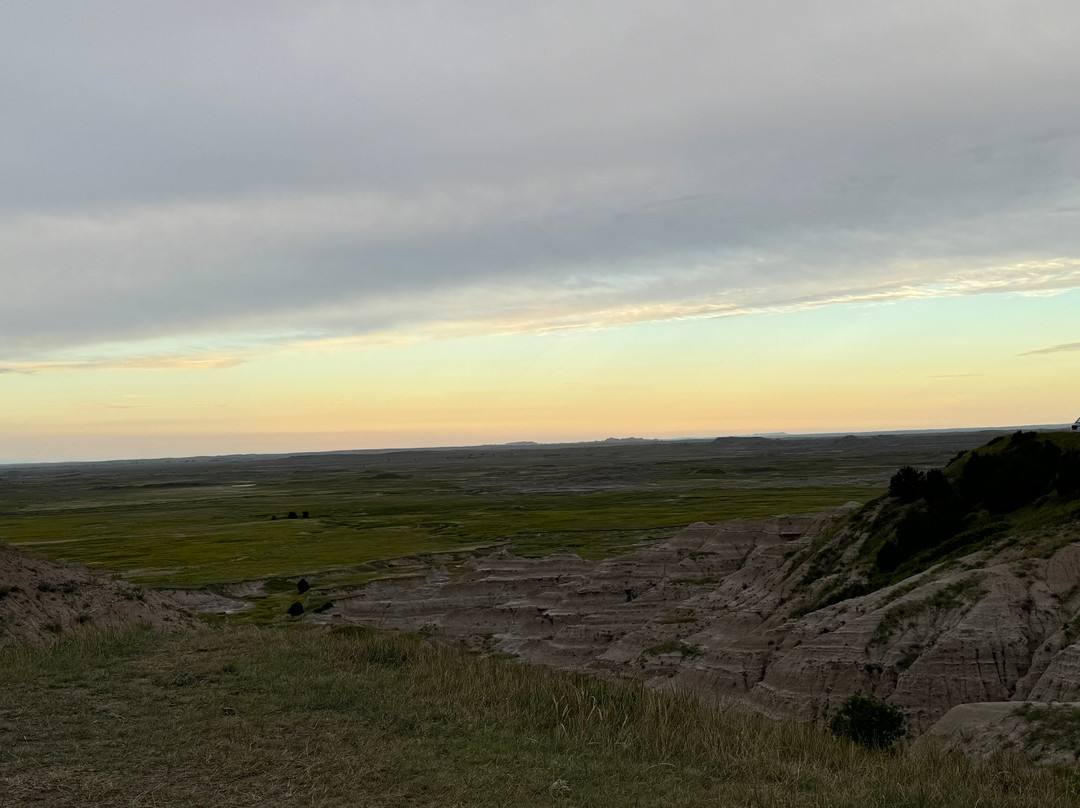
x=869, y=722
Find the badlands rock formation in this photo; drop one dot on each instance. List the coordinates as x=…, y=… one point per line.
x=40, y=599
x=725, y=611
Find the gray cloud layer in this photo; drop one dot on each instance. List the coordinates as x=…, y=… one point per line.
x=307, y=169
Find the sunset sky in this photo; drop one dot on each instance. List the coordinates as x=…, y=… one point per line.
x=266, y=226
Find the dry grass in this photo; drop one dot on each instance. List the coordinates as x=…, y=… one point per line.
x=238, y=716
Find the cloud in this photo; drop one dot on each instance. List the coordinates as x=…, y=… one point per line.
x=192, y=362
x=394, y=171
x=520, y=313
x=552, y=313
x=1061, y=348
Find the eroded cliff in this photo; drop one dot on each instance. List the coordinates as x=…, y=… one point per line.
x=790, y=615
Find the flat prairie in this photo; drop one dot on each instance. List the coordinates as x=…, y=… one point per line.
x=189, y=523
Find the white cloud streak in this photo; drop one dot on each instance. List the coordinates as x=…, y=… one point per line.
x=1065, y=347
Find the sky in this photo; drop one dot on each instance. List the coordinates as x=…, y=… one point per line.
x=294, y=226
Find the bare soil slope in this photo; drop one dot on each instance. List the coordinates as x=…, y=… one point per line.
x=41, y=599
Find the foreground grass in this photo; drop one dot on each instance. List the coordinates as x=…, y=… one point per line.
x=236, y=716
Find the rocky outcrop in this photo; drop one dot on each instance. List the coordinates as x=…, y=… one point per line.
x=1043, y=732
x=41, y=600
x=725, y=611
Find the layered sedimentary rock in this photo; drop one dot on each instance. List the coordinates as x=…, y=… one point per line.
x=725, y=611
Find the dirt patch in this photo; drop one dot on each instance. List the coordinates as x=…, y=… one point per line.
x=205, y=601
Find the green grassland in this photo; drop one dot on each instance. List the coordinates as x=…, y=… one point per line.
x=190, y=523
x=244, y=716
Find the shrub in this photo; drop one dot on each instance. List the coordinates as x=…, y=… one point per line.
x=936, y=488
x=907, y=484
x=1068, y=479
x=1018, y=475
x=869, y=722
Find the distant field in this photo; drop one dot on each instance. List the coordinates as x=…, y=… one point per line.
x=189, y=523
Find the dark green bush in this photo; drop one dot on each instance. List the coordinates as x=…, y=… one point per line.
x=869, y=722
x=907, y=484
x=937, y=489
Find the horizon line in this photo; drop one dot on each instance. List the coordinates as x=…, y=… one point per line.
x=527, y=444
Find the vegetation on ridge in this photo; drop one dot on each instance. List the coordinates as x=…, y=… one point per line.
x=982, y=498
x=970, y=501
